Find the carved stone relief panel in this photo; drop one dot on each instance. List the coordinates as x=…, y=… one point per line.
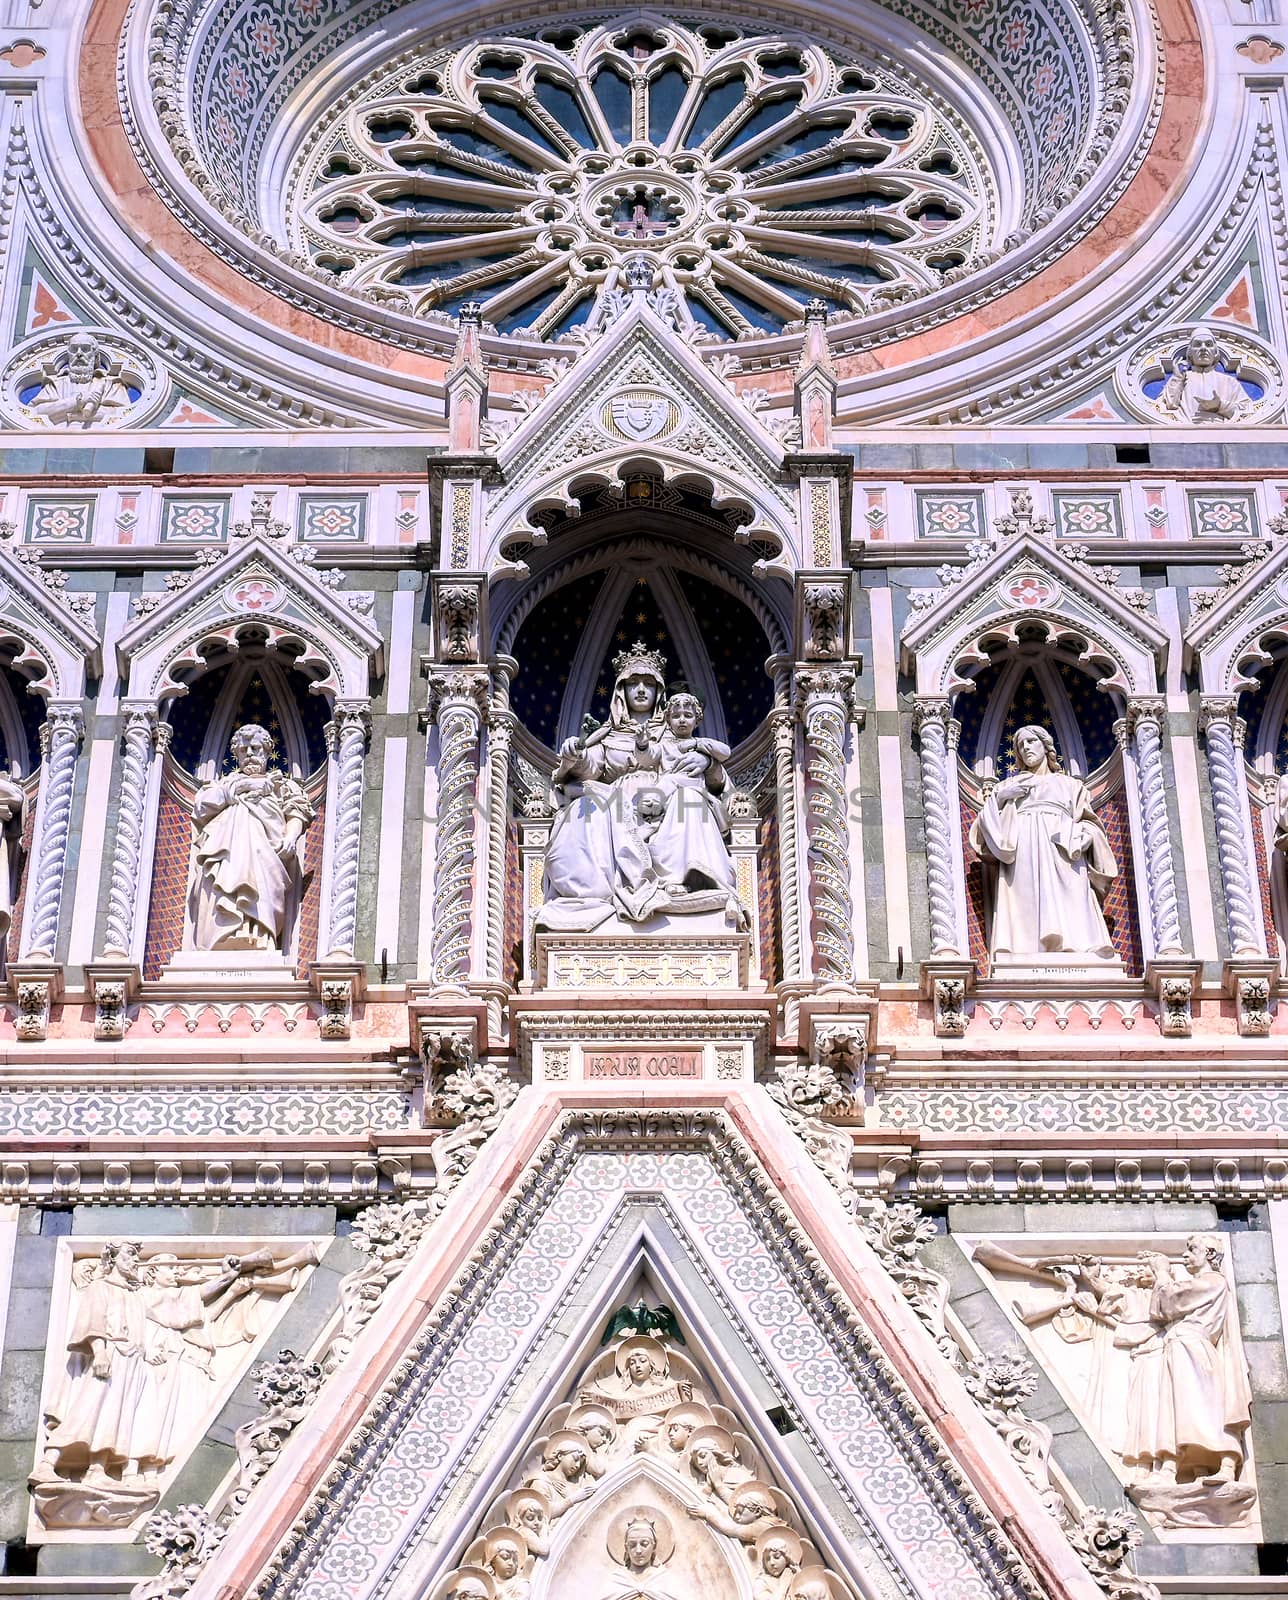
x=146, y=1343
x=1141, y=1335
x=642, y=1486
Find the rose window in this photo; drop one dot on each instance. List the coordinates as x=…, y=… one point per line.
x=759, y=172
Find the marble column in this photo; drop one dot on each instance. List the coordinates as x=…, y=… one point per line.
x=144, y=740
x=824, y=698
x=459, y=702
x=60, y=740
x=1223, y=732
x=1144, y=732
x=347, y=738
x=937, y=732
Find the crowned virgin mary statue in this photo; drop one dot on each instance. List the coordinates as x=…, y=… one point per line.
x=642, y=824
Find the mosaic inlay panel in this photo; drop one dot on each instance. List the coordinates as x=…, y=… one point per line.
x=1229, y=515
x=324, y=517
x=952, y=516
x=1088, y=516
x=60, y=521
x=194, y=521
x=196, y=1113
x=1240, y=1108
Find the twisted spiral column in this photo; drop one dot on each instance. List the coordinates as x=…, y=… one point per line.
x=934, y=723
x=1145, y=729
x=459, y=700
x=347, y=735
x=499, y=738
x=60, y=739
x=1223, y=732
x=145, y=734
x=783, y=723
x=824, y=698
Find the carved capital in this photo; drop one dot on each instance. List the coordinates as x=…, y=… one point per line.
x=822, y=689
x=930, y=713
x=459, y=690
x=1221, y=712
x=457, y=612
x=1145, y=709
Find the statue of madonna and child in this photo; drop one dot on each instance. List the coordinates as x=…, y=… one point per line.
x=643, y=821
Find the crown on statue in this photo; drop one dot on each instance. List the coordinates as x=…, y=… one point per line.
x=640, y=659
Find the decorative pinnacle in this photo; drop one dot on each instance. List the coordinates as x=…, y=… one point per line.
x=816, y=311
x=471, y=314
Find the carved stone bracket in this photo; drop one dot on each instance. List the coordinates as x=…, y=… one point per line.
x=114, y=985
x=35, y=985
x=339, y=985
x=1252, y=984
x=1174, y=982
x=947, y=984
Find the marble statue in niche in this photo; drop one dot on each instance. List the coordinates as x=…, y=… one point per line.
x=642, y=1487
x=12, y=800
x=1159, y=1365
x=643, y=825
x=148, y=1340
x=1200, y=389
x=1052, y=857
x=250, y=829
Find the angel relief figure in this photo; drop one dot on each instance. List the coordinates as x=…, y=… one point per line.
x=640, y=1389
x=642, y=1487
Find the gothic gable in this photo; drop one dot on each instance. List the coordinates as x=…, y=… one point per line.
x=1232, y=632
x=1025, y=585
x=58, y=644
x=255, y=585
x=389, y=1500
x=640, y=399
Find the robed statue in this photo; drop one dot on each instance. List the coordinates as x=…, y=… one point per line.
x=248, y=854
x=643, y=822
x=1053, y=858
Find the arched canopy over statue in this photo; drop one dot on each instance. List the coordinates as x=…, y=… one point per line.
x=1053, y=858
x=643, y=824
x=248, y=854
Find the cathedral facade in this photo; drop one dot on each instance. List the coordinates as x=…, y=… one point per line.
x=643, y=800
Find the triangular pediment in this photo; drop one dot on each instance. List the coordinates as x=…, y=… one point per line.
x=62, y=644
x=255, y=583
x=494, y=1335
x=1224, y=638
x=1027, y=583
x=640, y=394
